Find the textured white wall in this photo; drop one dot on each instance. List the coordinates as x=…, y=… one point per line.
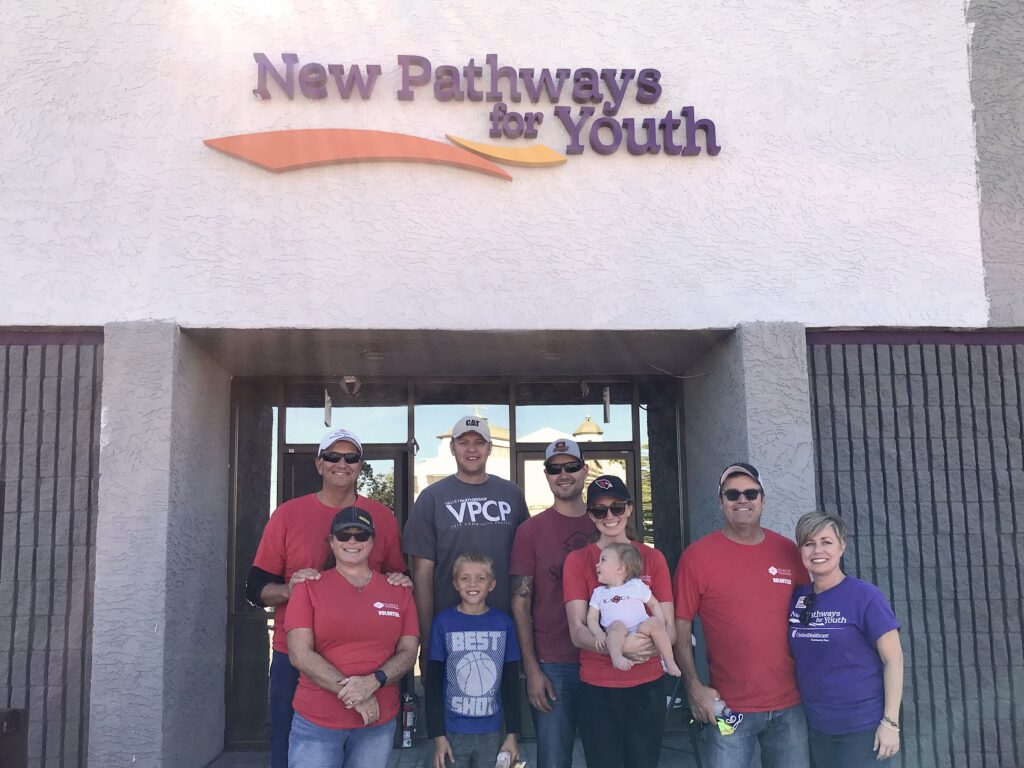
x=845, y=192
x=157, y=689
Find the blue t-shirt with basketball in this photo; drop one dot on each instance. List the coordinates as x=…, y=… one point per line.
x=474, y=650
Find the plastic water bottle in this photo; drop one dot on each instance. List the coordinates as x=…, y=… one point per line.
x=726, y=720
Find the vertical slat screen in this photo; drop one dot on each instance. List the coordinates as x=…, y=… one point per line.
x=49, y=454
x=920, y=448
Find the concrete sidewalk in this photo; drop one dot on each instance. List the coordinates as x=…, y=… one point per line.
x=675, y=753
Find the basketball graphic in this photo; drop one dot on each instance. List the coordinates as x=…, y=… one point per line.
x=476, y=674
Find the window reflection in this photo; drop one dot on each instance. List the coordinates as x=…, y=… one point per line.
x=374, y=424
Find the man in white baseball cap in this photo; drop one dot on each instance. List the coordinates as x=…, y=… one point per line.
x=550, y=660
x=470, y=511
x=293, y=549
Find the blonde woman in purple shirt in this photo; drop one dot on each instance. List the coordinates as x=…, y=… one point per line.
x=849, y=661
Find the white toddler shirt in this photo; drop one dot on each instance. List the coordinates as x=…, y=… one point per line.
x=624, y=603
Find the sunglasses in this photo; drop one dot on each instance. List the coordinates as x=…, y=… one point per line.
x=569, y=466
x=333, y=457
x=602, y=512
x=750, y=494
x=805, y=614
x=360, y=536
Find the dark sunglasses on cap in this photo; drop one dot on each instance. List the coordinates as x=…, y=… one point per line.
x=569, y=466
x=750, y=494
x=360, y=536
x=602, y=512
x=333, y=457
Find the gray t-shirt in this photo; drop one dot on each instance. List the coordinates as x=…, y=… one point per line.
x=452, y=518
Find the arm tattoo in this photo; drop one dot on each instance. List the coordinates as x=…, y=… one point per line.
x=522, y=586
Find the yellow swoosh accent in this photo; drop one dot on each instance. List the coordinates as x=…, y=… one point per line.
x=536, y=156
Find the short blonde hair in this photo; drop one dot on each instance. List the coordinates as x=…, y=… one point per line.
x=472, y=557
x=814, y=522
x=629, y=557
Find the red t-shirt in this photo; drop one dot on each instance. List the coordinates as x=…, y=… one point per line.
x=541, y=546
x=742, y=594
x=356, y=630
x=580, y=581
x=296, y=538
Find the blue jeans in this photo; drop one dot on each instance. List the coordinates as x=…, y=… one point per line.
x=849, y=750
x=312, y=746
x=556, y=730
x=781, y=732
x=471, y=750
x=284, y=678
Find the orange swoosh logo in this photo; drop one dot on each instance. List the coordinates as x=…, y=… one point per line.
x=536, y=156
x=279, y=151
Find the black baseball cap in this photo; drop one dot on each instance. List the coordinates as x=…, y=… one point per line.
x=352, y=517
x=608, y=485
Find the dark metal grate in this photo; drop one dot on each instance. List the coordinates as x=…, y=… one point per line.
x=920, y=447
x=49, y=452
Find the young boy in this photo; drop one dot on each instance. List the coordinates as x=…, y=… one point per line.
x=473, y=654
x=618, y=607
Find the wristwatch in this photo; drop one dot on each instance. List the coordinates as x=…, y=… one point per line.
x=381, y=677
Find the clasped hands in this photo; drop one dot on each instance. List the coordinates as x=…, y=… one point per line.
x=356, y=693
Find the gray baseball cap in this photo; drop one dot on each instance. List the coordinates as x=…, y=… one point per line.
x=563, y=446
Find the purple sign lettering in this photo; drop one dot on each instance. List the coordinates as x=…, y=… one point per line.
x=609, y=141
x=673, y=135
x=406, y=63
x=313, y=78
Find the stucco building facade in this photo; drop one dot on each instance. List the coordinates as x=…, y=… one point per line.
x=834, y=295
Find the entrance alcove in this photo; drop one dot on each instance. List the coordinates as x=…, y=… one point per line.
x=400, y=391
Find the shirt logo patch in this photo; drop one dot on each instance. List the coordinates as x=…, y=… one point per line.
x=387, y=609
x=481, y=511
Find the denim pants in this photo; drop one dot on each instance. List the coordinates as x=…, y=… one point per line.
x=556, y=730
x=284, y=679
x=782, y=734
x=622, y=727
x=471, y=750
x=313, y=746
x=849, y=750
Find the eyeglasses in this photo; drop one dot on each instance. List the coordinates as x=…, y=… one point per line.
x=360, y=536
x=750, y=494
x=602, y=512
x=333, y=457
x=805, y=614
x=569, y=466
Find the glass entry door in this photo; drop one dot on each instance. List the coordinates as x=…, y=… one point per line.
x=405, y=427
